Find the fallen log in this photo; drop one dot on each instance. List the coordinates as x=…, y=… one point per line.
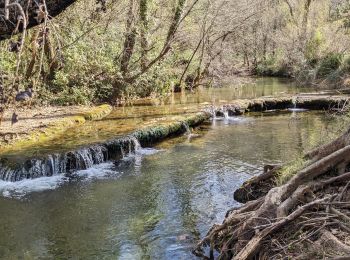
x=316, y=169
x=329, y=148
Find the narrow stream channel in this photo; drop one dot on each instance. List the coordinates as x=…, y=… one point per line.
x=154, y=204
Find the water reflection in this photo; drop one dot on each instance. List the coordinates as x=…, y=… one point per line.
x=155, y=206
x=154, y=111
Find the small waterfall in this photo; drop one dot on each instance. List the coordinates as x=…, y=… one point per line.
x=187, y=128
x=122, y=151
x=226, y=115
x=68, y=162
x=212, y=111
x=295, y=108
x=136, y=143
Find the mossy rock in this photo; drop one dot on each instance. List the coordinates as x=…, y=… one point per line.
x=154, y=134
x=98, y=112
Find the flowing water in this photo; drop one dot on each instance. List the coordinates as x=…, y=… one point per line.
x=126, y=119
x=153, y=203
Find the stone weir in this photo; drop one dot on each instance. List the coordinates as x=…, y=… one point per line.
x=86, y=157
x=302, y=101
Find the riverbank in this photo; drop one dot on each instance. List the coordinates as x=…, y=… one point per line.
x=171, y=192
x=297, y=210
x=42, y=123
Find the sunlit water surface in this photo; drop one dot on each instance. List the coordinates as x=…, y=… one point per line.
x=154, y=204
x=154, y=111
x=157, y=203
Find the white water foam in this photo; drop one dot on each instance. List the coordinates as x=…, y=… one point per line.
x=236, y=118
x=297, y=109
x=99, y=171
x=147, y=151
x=22, y=188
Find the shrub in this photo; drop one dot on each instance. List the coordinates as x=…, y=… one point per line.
x=272, y=67
x=329, y=64
x=346, y=64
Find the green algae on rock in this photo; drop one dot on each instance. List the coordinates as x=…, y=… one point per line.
x=98, y=112
x=54, y=128
x=312, y=102
x=85, y=157
x=153, y=134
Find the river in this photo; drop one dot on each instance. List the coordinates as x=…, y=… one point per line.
x=155, y=203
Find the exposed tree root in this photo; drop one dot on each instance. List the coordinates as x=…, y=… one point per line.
x=257, y=186
x=310, y=214
x=327, y=239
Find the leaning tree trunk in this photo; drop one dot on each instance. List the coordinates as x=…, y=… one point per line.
x=33, y=8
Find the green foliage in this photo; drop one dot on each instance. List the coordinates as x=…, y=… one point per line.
x=342, y=12
x=272, y=66
x=346, y=64
x=313, y=48
x=288, y=171
x=157, y=82
x=89, y=46
x=72, y=96
x=330, y=63
x=7, y=60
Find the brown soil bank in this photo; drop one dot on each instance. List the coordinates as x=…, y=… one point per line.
x=305, y=216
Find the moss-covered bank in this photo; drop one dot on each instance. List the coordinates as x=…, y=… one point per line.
x=85, y=157
x=156, y=133
x=306, y=101
x=54, y=128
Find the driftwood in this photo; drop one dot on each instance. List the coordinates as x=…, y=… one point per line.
x=315, y=200
x=254, y=244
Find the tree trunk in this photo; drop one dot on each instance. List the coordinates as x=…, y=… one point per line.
x=51, y=56
x=129, y=42
x=176, y=20
x=34, y=54
x=144, y=32
x=7, y=27
x=304, y=25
